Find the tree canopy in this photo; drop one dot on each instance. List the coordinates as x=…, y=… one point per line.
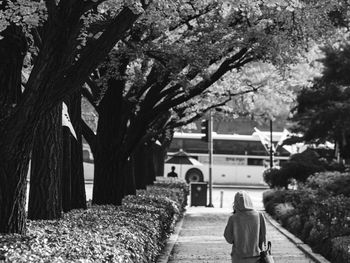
x=140, y=63
x=321, y=112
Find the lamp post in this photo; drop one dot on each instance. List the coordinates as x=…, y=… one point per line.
x=210, y=150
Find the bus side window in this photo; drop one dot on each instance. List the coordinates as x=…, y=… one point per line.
x=255, y=161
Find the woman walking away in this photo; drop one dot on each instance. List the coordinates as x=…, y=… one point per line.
x=245, y=230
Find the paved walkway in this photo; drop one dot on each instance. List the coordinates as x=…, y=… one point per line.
x=199, y=238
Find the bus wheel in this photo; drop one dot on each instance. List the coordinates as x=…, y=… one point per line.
x=194, y=175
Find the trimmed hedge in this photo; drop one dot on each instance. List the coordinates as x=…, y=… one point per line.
x=316, y=213
x=136, y=231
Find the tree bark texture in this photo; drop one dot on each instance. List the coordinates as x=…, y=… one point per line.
x=158, y=160
x=109, y=159
x=147, y=164
x=140, y=164
x=13, y=160
x=54, y=76
x=78, y=194
x=13, y=48
x=45, y=198
x=150, y=164
x=13, y=174
x=130, y=187
x=66, y=170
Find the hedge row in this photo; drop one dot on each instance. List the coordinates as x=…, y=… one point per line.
x=136, y=231
x=318, y=213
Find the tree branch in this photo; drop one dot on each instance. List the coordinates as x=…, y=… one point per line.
x=95, y=90
x=89, y=96
x=76, y=75
x=226, y=66
x=89, y=135
x=188, y=19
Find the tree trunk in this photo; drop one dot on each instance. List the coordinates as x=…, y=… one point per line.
x=13, y=174
x=109, y=157
x=54, y=76
x=130, y=186
x=66, y=171
x=13, y=48
x=140, y=167
x=150, y=166
x=78, y=200
x=158, y=160
x=14, y=160
x=108, y=179
x=45, y=199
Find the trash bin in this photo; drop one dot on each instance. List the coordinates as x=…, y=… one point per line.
x=199, y=194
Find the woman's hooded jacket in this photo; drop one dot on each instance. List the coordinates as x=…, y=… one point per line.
x=245, y=229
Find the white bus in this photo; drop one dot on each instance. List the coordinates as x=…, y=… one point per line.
x=237, y=159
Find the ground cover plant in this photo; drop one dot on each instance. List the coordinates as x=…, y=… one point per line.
x=136, y=231
x=318, y=212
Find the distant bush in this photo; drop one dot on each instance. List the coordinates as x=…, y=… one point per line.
x=133, y=232
x=275, y=178
x=299, y=167
x=334, y=183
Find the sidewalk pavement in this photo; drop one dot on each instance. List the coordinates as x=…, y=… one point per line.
x=198, y=237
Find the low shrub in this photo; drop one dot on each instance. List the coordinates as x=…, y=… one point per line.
x=340, y=249
x=294, y=224
x=314, y=217
x=133, y=232
x=175, y=189
x=334, y=183
x=284, y=211
x=271, y=198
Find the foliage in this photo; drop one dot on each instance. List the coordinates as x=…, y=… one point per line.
x=196, y=42
x=27, y=14
x=270, y=95
x=275, y=179
x=179, y=190
x=340, y=249
x=333, y=183
x=299, y=167
x=321, y=112
x=133, y=232
x=313, y=215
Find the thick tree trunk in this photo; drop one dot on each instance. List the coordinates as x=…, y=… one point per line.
x=13, y=174
x=109, y=157
x=130, y=184
x=145, y=166
x=13, y=48
x=66, y=171
x=109, y=179
x=140, y=167
x=150, y=165
x=158, y=160
x=78, y=199
x=54, y=76
x=45, y=201
x=14, y=160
